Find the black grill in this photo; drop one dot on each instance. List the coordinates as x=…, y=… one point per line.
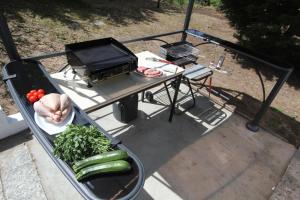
x=100, y=59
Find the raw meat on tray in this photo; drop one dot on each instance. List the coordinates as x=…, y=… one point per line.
x=54, y=107
x=149, y=72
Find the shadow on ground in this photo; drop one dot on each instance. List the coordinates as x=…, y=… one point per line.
x=268, y=72
x=14, y=140
x=117, y=11
x=188, y=159
x=275, y=119
x=280, y=123
x=149, y=134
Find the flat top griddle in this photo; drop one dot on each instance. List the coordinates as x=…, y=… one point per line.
x=99, y=54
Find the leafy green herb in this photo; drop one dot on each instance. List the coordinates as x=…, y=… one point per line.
x=78, y=142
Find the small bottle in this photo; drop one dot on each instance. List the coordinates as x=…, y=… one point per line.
x=220, y=61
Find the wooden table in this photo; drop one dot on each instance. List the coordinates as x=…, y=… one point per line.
x=112, y=90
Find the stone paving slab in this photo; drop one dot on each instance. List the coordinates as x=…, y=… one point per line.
x=289, y=186
x=191, y=158
x=195, y=158
x=1, y=190
x=19, y=177
x=54, y=182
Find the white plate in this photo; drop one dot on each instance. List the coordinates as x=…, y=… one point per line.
x=50, y=128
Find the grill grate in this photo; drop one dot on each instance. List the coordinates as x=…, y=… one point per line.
x=182, y=51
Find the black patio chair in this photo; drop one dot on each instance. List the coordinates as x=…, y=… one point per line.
x=200, y=74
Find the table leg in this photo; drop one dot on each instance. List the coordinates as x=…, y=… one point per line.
x=143, y=96
x=209, y=90
x=178, y=81
x=168, y=93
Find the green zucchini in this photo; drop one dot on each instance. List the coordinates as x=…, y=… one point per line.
x=100, y=158
x=108, y=167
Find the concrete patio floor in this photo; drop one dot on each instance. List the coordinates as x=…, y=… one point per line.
x=206, y=153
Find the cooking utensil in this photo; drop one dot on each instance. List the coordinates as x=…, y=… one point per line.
x=158, y=60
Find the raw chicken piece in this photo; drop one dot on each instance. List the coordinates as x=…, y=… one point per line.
x=65, y=113
x=41, y=110
x=51, y=120
x=52, y=101
x=65, y=102
x=65, y=106
x=54, y=107
x=59, y=113
x=56, y=118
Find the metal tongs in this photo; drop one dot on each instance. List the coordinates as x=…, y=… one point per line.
x=158, y=60
x=162, y=61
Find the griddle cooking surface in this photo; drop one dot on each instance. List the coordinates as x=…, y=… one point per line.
x=100, y=54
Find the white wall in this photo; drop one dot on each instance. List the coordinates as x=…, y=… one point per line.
x=10, y=125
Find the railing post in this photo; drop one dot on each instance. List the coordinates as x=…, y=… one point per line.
x=8, y=40
x=188, y=15
x=254, y=124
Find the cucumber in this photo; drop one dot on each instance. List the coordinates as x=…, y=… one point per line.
x=108, y=167
x=100, y=158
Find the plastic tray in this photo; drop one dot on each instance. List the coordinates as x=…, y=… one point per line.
x=22, y=76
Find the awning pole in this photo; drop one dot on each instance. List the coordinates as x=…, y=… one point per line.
x=254, y=124
x=7, y=39
x=188, y=15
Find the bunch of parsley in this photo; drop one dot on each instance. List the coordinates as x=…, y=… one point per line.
x=78, y=142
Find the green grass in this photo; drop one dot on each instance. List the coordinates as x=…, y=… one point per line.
x=178, y=2
x=214, y=3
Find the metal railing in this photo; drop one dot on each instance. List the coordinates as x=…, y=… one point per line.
x=253, y=125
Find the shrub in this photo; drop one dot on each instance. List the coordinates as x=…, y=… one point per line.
x=269, y=26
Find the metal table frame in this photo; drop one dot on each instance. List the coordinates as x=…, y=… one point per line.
x=177, y=78
x=252, y=125
x=115, y=89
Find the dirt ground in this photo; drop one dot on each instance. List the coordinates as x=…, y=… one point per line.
x=36, y=32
